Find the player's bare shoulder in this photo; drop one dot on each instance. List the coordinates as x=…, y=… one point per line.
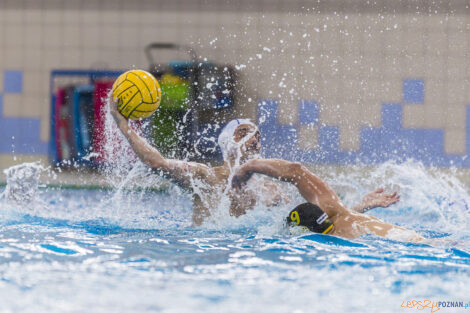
x=201, y=171
x=221, y=174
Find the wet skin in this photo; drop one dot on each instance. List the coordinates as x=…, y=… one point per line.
x=347, y=223
x=208, y=185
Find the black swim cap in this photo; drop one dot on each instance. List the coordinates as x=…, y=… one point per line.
x=310, y=216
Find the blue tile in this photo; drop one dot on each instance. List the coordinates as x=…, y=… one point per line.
x=10, y=134
x=20, y=135
x=308, y=112
x=328, y=138
x=370, y=144
x=413, y=91
x=390, y=141
x=391, y=116
x=278, y=141
x=267, y=112
x=13, y=82
x=26, y=136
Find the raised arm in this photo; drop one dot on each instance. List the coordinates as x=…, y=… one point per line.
x=310, y=186
x=277, y=168
x=180, y=172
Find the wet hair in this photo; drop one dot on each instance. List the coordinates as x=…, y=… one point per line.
x=310, y=216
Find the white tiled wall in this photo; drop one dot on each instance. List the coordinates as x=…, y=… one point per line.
x=350, y=57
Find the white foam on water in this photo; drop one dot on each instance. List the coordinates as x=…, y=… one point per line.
x=439, y=205
x=22, y=182
x=431, y=199
x=246, y=284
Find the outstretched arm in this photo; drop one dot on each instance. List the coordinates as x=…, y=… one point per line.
x=375, y=199
x=310, y=186
x=179, y=171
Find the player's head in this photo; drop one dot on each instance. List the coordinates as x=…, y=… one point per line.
x=240, y=138
x=310, y=216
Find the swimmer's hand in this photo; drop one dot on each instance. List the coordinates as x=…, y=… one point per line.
x=375, y=199
x=242, y=175
x=118, y=117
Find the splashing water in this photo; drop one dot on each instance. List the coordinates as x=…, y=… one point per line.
x=116, y=249
x=22, y=182
x=431, y=199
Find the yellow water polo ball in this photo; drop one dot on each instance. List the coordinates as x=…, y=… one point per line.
x=137, y=94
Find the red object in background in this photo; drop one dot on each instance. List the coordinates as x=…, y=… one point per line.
x=107, y=152
x=100, y=96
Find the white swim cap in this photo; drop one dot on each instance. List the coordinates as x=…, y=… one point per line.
x=226, y=142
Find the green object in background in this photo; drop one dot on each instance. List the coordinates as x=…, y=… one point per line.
x=175, y=97
x=175, y=92
x=165, y=133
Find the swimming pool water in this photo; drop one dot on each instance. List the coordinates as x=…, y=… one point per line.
x=85, y=251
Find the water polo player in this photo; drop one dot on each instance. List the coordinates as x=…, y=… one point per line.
x=239, y=141
x=318, y=194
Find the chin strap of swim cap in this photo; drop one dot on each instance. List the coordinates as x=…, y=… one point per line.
x=226, y=142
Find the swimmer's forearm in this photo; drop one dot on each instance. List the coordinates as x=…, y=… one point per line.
x=363, y=207
x=146, y=153
x=360, y=208
x=179, y=171
x=311, y=187
x=280, y=169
